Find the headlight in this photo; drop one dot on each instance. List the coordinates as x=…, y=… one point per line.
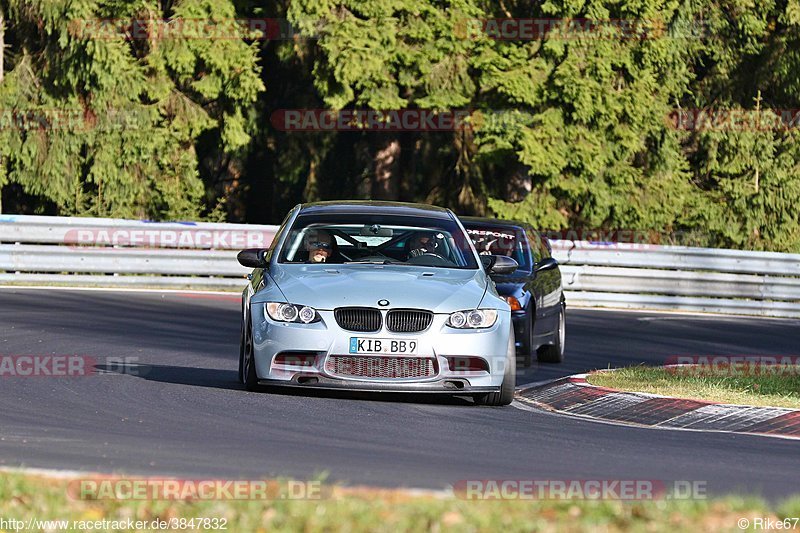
x=282, y=312
x=474, y=319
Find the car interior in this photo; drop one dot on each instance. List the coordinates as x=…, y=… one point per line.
x=381, y=244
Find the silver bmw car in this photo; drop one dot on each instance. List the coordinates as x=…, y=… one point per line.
x=376, y=296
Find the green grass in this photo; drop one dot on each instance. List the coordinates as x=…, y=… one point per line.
x=24, y=496
x=778, y=389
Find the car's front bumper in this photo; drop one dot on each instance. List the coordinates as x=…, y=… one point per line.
x=318, y=341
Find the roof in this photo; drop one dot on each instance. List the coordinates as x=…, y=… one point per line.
x=376, y=207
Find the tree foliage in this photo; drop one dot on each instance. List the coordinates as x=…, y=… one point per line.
x=567, y=130
x=104, y=125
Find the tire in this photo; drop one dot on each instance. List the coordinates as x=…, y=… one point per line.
x=506, y=393
x=241, y=354
x=247, y=364
x=554, y=353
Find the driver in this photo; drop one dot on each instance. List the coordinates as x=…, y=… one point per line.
x=320, y=246
x=423, y=243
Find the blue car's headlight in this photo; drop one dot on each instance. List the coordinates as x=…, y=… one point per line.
x=474, y=319
x=283, y=312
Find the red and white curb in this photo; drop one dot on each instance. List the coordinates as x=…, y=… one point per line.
x=575, y=396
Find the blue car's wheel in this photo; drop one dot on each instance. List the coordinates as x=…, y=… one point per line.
x=554, y=353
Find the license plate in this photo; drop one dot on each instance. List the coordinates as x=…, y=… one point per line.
x=383, y=346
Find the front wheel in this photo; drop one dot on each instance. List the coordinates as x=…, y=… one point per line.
x=506, y=393
x=241, y=354
x=554, y=353
x=247, y=363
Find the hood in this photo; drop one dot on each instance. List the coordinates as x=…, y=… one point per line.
x=326, y=287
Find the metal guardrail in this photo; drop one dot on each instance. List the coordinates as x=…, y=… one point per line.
x=111, y=252
x=643, y=276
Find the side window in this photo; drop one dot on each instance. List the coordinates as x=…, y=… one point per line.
x=538, y=249
x=548, y=250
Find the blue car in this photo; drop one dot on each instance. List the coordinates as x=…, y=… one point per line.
x=533, y=290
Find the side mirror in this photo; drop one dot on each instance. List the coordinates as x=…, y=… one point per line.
x=253, y=258
x=498, y=264
x=488, y=262
x=545, y=264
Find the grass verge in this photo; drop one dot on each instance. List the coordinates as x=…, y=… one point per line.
x=24, y=497
x=778, y=388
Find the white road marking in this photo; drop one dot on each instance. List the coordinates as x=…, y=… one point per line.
x=733, y=417
x=518, y=404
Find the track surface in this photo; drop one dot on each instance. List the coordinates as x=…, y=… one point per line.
x=186, y=414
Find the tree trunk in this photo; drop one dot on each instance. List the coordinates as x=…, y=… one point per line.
x=311, y=190
x=410, y=147
x=386, y=168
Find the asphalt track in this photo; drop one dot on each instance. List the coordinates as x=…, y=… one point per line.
x=185, y=414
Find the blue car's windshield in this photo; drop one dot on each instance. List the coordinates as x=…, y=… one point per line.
x=495, y=240
x=385, y=239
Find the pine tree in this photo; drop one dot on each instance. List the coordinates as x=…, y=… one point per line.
x=113, y=120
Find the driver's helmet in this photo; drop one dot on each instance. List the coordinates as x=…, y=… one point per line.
x=426, y=242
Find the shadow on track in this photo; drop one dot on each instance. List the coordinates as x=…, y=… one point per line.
x=228, y=380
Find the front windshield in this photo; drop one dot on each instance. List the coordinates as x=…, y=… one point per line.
x=493, y=240
x=382, y=239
